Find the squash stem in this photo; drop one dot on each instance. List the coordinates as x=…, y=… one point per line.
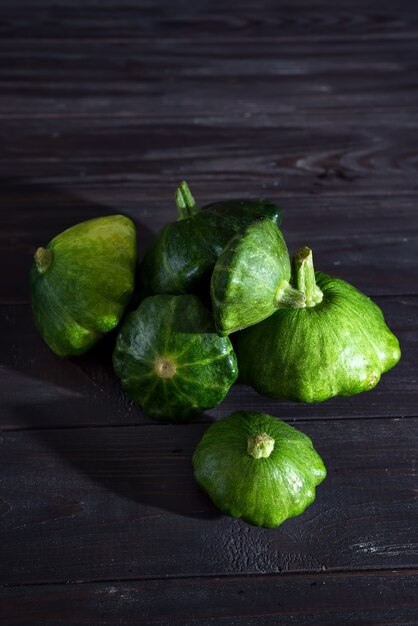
x=260, y=445
x=43, y=259
x=287, y=297
x=304, y=276
x=185, y=202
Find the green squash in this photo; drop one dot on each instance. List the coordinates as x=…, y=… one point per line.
x=258, y=468
x=82, y=281
x=170, y=359
x=337, y=345
x=184, y=252
x=251, y=278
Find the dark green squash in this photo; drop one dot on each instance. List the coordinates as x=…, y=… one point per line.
x=82, y=281
x=251, y=278
x=337, y=345
x=170, y=359
x=258, y=468
x=184, y=253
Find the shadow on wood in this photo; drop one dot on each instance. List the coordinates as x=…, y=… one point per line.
x=31, y=202
x=156, y=473
x=71, y=377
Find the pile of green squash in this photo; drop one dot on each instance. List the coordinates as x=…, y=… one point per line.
x=219, y=299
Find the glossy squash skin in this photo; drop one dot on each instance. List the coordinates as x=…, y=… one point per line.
x=184, y=252
x=251, y=278
x=258, y=468
x=170, y=359
x=82, y=281
x=337, y=346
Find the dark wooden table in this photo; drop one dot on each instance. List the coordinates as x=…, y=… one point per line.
x=104, y=107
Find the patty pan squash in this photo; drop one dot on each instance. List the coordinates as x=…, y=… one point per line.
x=258, y=468
x=81, y=282
x=184, y=252
x=170, y=359
x=337, y=345
x=251, y=278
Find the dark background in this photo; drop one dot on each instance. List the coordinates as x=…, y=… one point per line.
x=104, y=107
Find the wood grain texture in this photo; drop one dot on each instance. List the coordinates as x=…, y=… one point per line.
x=89, y=393
x=104, y=108
x=156, y=18
x=332, y=160
x=120, y=503
x=374, y=599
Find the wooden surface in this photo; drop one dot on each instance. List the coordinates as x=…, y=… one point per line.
x=104, y=108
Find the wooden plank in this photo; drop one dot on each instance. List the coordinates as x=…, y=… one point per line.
x=292, y=151
x=382, y=598
x=119, y=503
x=38, y=389
x=291, y=155
x=236, y=83
x=151, y=19
x=370, y=241
x=83, y=155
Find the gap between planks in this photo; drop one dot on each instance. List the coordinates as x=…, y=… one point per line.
x=221, y=39
x=132, y=115
x=203, y=422
x=337, y=573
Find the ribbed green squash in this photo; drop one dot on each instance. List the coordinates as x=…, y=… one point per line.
x=258, y=468
x=338, y=345
x=251, y=278
x=170, y=359
x=184, y=252
x=82, y=281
